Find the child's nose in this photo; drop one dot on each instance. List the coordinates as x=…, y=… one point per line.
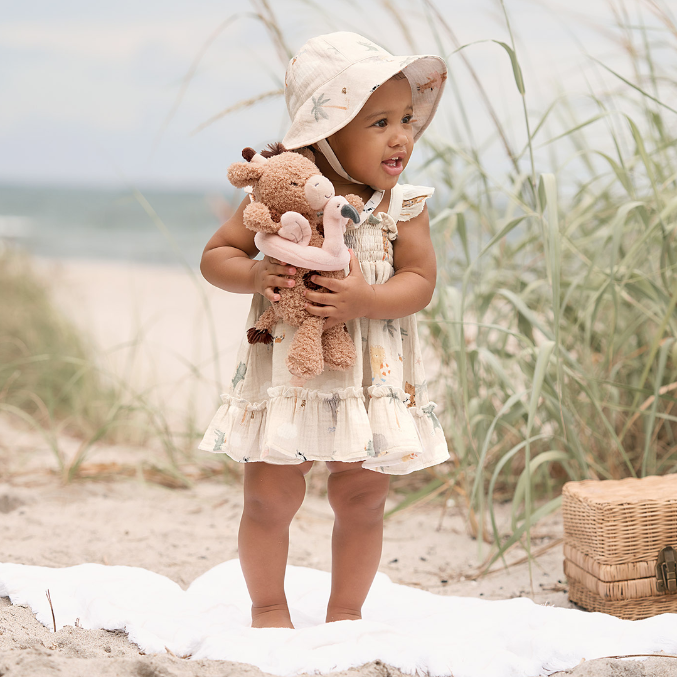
x=400, y=137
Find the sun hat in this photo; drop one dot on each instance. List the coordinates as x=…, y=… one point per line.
x=330, y=79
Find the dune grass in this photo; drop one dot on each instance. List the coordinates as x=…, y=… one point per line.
x=52, y=381
x=554, y=320
x=45, y=367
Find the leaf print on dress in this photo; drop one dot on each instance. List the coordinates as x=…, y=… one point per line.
x=380, y=444
x=334, y=402
x=389, y=327
x=429, y=411
x=220, y=439
x=239, y=374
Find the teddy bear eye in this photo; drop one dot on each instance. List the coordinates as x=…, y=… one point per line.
x=293, y=183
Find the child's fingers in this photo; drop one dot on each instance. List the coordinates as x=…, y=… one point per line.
x=270, y=294
x=319, y=297
x=277, y=281
x=330, y=283
x=283, y=269
x=320, y=311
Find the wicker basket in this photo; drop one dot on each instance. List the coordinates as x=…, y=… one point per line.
x=619, y=539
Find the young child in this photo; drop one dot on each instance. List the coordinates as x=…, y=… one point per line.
x=360, y=110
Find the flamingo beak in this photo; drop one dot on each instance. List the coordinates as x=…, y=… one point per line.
x=349, y=212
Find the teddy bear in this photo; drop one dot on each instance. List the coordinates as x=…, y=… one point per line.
x=298, y=219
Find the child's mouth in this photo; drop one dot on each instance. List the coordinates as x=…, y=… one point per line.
x=392, y=166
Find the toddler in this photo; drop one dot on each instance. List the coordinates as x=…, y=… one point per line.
x=359, y=109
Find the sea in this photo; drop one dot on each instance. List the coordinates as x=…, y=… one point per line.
x=111, y=223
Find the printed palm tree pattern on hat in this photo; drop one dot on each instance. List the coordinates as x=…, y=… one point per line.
x=319, y=104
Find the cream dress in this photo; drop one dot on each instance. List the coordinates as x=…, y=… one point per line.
x=377, y=412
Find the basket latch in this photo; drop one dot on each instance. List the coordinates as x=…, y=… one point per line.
x=666, y=570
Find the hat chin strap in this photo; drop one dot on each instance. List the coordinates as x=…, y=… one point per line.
x=331, y=158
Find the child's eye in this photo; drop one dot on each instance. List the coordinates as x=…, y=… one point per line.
x=408, y=119
x=381, y=123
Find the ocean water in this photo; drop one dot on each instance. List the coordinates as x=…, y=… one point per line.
x=110, y=223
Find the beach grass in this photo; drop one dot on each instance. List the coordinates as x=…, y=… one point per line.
x=554, y=319
x=54, y=382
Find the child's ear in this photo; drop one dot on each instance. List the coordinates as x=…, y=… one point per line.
x=242, y=174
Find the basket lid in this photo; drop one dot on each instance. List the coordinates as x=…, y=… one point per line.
x=630, y=490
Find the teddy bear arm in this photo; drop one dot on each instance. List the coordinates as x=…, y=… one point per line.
x=356, y=202
x=257, y=217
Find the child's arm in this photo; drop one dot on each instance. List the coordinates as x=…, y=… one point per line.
x=227, y=261
x=408, y=291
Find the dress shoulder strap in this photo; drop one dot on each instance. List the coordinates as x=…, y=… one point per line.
x=396, y=198
x=407, y=201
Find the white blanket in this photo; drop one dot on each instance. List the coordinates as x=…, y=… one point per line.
x=413, y=630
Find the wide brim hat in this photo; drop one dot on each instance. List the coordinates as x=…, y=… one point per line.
x=328, y=82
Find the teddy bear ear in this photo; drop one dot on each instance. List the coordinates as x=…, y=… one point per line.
x=248, y=153
x=242, y=174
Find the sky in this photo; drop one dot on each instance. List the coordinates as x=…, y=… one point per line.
x=87, y=88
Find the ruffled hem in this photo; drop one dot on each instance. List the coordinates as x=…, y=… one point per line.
x=387, y=436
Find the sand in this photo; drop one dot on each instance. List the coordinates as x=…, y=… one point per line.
x=181, y=533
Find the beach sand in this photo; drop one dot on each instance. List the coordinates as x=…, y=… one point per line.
x=181, y=533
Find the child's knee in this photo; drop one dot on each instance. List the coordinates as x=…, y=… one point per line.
x=274, y=497
x=358, y=494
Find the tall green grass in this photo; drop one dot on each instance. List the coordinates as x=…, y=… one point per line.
x=52, y=381
x=48, y=377
x=554, y=319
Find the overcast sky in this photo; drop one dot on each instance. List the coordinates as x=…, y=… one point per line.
x=85, y=86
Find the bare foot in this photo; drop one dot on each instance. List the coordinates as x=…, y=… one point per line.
x=271, y=617
x=342, y=615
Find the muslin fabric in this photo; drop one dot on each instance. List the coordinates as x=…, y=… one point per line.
x=377, y=412
x=414, y=630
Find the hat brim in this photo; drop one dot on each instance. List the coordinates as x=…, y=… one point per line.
x=340, y=99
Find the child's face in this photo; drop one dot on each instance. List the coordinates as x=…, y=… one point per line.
x=376, y=145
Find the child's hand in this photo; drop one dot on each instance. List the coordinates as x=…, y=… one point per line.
x=352, y=297
x=270, y=273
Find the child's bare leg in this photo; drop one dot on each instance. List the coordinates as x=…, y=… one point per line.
x=272, y=495
x=357, y=497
